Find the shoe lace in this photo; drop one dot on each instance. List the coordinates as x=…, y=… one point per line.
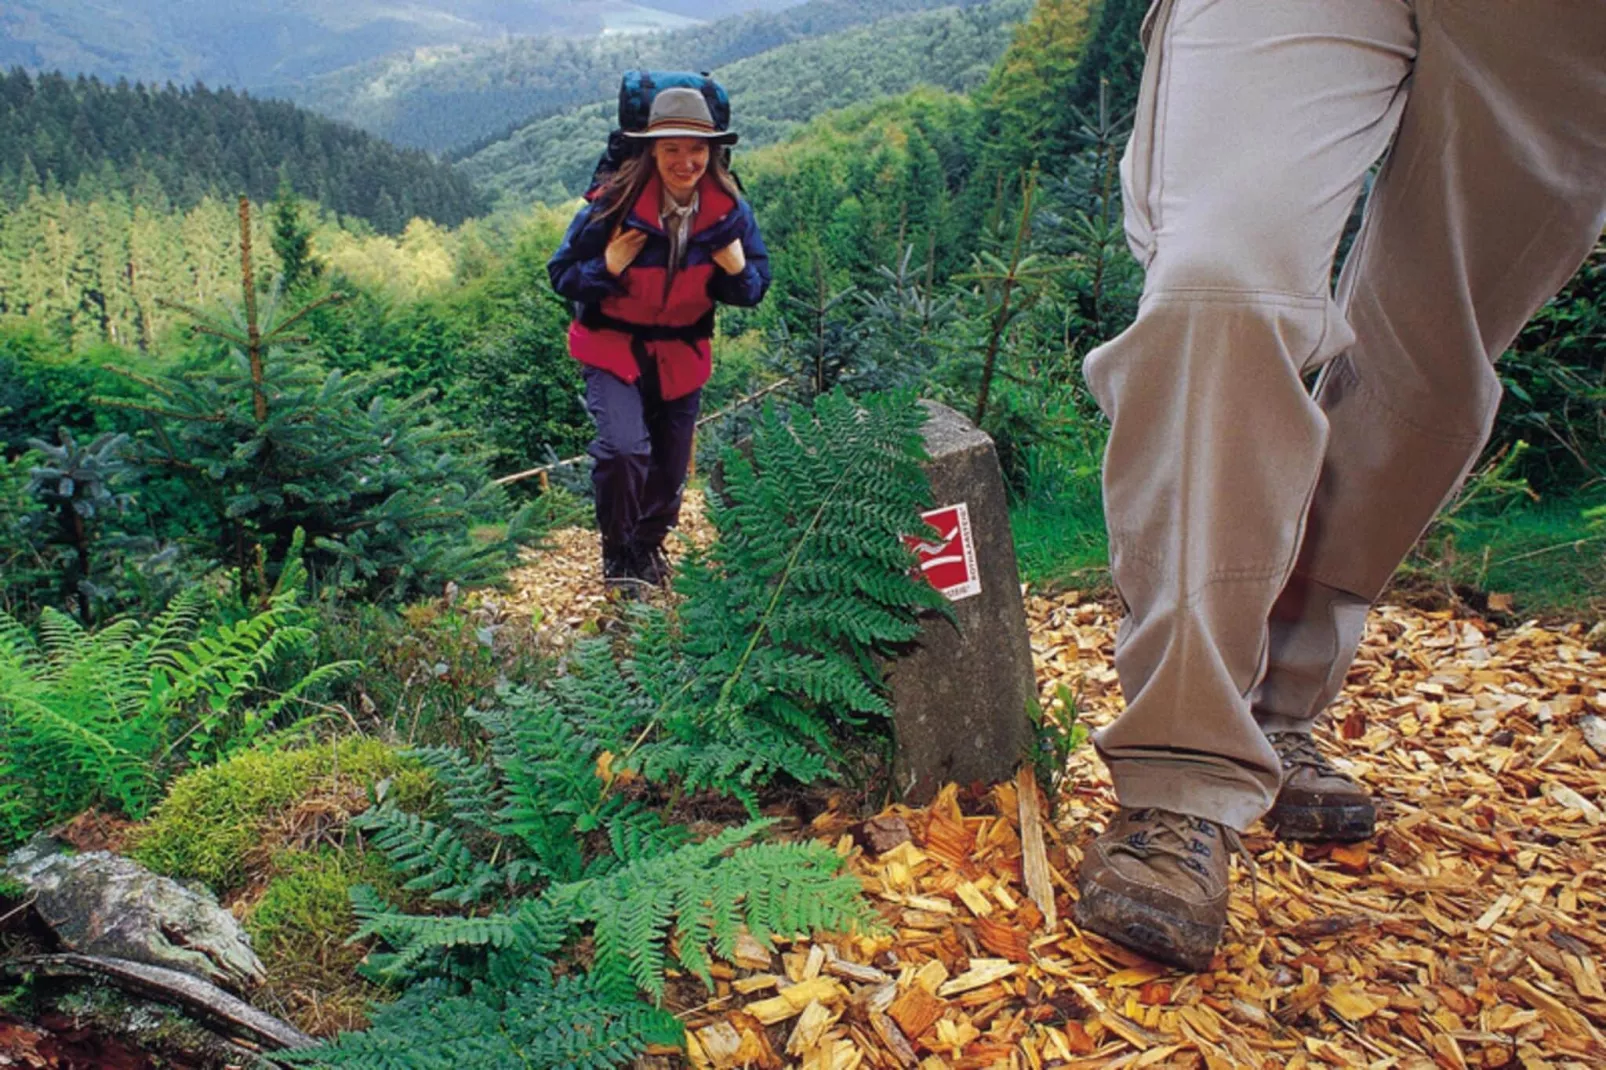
x=1180, y=832
x=1295, y=749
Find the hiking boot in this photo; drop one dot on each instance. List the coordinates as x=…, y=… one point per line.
x=1316, y=802
x=1156, y=881
x=652, y=565
x=621, y=577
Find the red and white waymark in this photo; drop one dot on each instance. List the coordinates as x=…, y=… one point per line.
x=948, y=556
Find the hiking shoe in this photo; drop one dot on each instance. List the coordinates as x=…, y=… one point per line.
x=621, y=577
x=1156, y=881
x=652, y=565
x=1316, y=801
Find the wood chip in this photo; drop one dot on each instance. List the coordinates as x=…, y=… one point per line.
x=972, y=897
x=746, y=986
x=1034, y=856
x=932, y=975
x=810, y=1028
x=916, y=1011
x=893, y=1040
x=791, y=1001
x=1470, y=932
x=750, y=953
x=982, y=972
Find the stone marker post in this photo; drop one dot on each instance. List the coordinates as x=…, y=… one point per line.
x=960, y=695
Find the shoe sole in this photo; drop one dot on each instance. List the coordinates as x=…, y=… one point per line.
x=628, y=590
x=1323, y=824
x=1148, y=931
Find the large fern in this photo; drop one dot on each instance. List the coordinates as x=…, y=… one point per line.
x=559, y=835
x=644, y=894
x=539, y=1021
x=808, y=579
x=89, y=717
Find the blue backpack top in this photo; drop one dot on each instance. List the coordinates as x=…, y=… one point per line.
x=637, y=89
x=636, y=92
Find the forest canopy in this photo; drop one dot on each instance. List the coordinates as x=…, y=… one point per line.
x=175, y=145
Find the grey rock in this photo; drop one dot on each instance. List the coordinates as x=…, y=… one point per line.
x=960, y=696
x=99, y=903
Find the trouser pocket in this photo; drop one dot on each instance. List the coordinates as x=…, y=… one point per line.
x=1139, y=178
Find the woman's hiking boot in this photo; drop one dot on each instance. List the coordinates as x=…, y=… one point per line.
x=1156, y=881
x=1316, y=801
x=621, y=577
x=652, y=565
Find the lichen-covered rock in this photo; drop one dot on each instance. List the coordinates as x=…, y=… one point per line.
x=103, y=904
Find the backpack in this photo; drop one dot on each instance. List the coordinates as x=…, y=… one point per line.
x=636, y=92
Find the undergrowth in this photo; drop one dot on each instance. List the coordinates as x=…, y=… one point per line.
x=107, y=716
x=214, y=820
x=562, y=892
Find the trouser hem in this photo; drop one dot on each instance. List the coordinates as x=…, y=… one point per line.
x=1181, y=787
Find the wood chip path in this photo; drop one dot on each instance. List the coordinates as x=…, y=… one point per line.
x=1468, y=933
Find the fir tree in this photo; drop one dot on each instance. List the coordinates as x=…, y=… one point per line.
x=273, y=443
x=292, y=240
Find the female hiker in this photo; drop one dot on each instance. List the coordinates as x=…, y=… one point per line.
x=659, y=242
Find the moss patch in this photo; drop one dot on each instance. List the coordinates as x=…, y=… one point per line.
x=299, y=927
x=214, y=820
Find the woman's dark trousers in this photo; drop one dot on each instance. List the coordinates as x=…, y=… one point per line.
x=642, y=452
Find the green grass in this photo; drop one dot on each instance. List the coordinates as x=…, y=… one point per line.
x=1544, y=555
x=1061, y=543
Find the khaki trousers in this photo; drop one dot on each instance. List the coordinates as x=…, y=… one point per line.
x=1251, y=524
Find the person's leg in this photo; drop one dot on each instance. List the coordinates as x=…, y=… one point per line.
x=671, y=426
x=1257, y=122
x=1493, y=194
x=621, y=451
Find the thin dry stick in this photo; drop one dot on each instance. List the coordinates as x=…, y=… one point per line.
x=1034, y=854
x=544, y=469
x=24, y=905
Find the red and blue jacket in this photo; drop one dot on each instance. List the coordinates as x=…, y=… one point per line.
x=621, y=320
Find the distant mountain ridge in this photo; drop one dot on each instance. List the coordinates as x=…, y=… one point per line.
x=446, y=99
x=254, y=44
x=94, y=140
x=773, y=94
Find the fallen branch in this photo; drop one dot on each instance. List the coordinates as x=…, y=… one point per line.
x=189, y=993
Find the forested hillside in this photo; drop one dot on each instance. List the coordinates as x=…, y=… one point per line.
x=457, y=99
x=254, y=44
x=176, y=146
x=776, y=93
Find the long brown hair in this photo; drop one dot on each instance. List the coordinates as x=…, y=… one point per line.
x=622, y=189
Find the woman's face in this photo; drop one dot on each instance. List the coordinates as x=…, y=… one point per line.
x=681, y=163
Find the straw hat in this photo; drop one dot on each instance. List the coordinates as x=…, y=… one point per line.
x=682, y=112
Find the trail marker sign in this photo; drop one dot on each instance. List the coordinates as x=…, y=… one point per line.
x=961, y=689
x=948, y=554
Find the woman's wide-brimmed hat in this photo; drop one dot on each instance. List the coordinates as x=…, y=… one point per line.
x=682, y=112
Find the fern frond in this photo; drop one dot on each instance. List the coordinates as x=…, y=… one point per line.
x=541, y=1024
x=438, y=860
x=173, y=625
x=473, y=795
